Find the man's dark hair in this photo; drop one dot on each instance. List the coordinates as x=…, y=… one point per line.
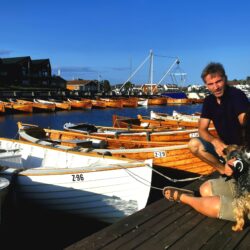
x=214, y=68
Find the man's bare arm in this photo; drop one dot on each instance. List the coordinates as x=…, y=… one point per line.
x=241, y=118
x=218, y=144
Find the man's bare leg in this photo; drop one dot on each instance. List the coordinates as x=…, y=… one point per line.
x=198, y=150
x=209, y=206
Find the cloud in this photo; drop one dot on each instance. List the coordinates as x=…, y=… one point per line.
x=75, y=69
x=4, y=52
x=120, y=68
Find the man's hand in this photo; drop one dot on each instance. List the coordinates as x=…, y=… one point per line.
x=219, y=146
x=228, y=171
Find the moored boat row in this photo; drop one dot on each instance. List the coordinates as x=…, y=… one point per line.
x=51, y=105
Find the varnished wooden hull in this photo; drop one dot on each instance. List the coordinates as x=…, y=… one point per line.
x=163, y=123
x=26, y=108
x=178, y=101
x=73, y=139
x=76, y=104
x=157, y=101
x=194, y=100
x=38, y=107
x=130, y=102
x=112, y=103
x=152, y=136
x=2, y=108
x=15, y=107
x=63, y=105
x=98, y=104
x=138, y=123
x=176, y=157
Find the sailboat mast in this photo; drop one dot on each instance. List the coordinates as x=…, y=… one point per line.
x=140, y=66
x=151, y=70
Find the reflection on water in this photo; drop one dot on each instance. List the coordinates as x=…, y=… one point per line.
x=56, y=120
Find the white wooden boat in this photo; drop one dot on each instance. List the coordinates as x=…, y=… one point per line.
x=142, y=102
x=6, y=157
x=175, y=116
x=4, y=183
x=103, y=187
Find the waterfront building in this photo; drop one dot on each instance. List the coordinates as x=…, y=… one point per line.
x=91, y=86
x=23, y=71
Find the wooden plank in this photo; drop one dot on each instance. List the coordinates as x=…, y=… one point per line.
x=225, y=238
x=205, y=229
x=158, y=240
x=117, y=230
x=245, y=243
x=135, y=237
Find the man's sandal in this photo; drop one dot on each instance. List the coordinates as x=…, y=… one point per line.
x=179, y=191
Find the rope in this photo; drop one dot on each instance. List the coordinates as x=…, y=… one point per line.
x=144, y=182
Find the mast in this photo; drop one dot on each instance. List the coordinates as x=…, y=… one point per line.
x=151, y=71
x=139, y=67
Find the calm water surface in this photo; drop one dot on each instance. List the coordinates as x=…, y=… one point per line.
x=33, y=228
x=56, y=120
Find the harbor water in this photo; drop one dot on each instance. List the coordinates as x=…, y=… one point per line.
x=25, y=225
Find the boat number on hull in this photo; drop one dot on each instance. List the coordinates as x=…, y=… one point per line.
x=77, y=177
x=193, y=135
x=159, y=154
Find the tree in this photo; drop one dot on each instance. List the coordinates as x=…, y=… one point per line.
x=128, y=85
x=106, y=86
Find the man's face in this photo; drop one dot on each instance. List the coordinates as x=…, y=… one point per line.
x=215, y=84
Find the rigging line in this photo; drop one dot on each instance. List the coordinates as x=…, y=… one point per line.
x=173, y=57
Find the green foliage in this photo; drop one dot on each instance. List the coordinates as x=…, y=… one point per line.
x=106, y=86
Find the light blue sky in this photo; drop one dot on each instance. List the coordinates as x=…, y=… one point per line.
x=110, y=38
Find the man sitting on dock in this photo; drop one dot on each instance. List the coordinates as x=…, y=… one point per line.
x=225, y=107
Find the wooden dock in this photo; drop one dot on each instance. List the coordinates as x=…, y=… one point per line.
x=167, y=225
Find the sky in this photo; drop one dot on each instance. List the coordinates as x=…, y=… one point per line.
x=110, y=39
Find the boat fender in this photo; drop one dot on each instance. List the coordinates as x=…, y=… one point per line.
x=90, y=128
x=101, y=144
x=107, y=153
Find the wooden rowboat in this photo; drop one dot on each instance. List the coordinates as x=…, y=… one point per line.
x=79, y=104
x=2, y=108
x=33, y=133
x=157, y=100
x=178, y=101
x=142, y=123
x=38, y=107
x=60, y=104
x=177, y=157
x=112, y=103
x=154, y=136
x=131, y=102
x=168, y=122
x=176, y=116
x=98, y=104
x=15, y=107
x=85, y=184
x=186, y=120
x=143, y=102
